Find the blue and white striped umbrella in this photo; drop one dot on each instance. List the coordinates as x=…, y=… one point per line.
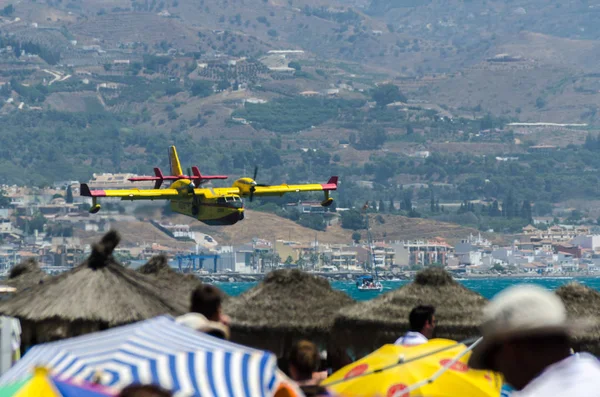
x=157, y=351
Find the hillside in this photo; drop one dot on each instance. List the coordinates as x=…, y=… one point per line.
x=397, y=227
x=271, y=227
x=265, y=226
x=136, y=233
x=403, y=100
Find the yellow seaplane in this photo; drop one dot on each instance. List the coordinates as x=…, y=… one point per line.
x=213, y=206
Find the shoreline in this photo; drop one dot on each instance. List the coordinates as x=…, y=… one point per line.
x=350, y=277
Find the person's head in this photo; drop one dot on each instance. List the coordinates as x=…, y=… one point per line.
x=144, y=391
x=206, y=300
x=521, y=359
x=525, y=330
x=422, y=319
x=337, y=358
x=304, y=360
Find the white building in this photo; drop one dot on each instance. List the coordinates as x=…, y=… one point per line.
x=588, y=242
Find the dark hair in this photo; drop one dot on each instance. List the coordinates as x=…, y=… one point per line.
x=337, y=358
x=217, y=333
x=206, y=300
x=305, y=358
x=144, y=391
x=419, y=316
x=314, y=391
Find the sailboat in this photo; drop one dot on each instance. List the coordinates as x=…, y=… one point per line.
x=369, y=282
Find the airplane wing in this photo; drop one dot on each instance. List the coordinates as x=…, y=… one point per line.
x=219, y=191
x=280, y=190
x=132, y=194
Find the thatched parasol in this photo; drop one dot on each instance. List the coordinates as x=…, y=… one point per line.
x=287, y=304
x=172, y=282
x=26, y=274
x=368, y=325
x=583, y=303
x=98, y=294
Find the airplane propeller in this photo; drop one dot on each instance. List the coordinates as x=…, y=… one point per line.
x=191, y=186
x=253, y=187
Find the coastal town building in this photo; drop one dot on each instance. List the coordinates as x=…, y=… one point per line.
x=40, y=224
x=428, y=252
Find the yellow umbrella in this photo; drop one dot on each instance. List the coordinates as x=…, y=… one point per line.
x=434, y=369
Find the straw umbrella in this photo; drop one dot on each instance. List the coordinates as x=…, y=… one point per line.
x=367, y=325
x=98, y=294
x=287, y=304
x=583, y=302
x=172, y=282
x=26, y=274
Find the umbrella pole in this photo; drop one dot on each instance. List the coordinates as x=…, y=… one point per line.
x=442, y=370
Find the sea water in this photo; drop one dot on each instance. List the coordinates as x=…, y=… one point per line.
x=488, y=287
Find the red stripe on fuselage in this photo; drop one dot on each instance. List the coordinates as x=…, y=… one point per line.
x=98, y=193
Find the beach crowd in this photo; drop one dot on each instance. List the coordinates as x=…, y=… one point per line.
x=526, y=345
x=526, y=337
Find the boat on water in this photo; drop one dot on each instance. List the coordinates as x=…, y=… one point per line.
x=368, y=283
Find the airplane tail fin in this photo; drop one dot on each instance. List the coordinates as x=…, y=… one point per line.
x=159, y=178
x=174, y=162
x=196, y=172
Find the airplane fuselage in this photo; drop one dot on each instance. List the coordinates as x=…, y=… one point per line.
x=224, y=210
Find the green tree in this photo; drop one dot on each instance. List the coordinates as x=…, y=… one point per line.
x=69, y=198
x=381, y=206
x=526, y=212
x=386, y=94
x=223, y=85
x=134, y=68
x=301, y=263
x=508, y=206
x=201, y=88
x=289, y=260
x=4, y=200
x=540, y=102
x=36, y=223
x=8, y=11
x=314, y=259
x=497, y=268
x=494, y=209
x=353, y=220
x=406, y=203
x=356, y=236
x=371, y=137
x=313, y=221
x=542, y=208
x=295, y=65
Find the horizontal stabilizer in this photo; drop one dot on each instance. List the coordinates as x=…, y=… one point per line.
x=84, y=190
x=331, y=183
